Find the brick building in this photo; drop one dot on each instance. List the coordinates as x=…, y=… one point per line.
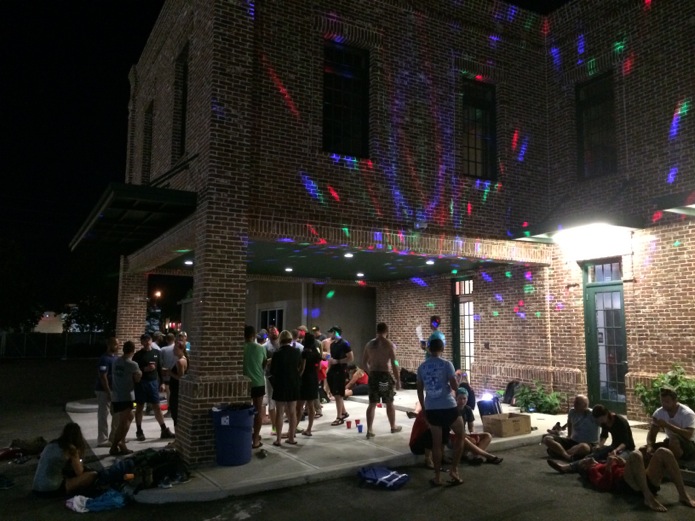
x=284, y=134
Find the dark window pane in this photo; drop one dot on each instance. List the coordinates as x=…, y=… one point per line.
x=596, y=128
x=477, y=129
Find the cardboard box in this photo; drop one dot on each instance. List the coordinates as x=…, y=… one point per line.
x=507, y=424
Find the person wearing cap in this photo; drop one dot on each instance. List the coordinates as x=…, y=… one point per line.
x=317, y=333
x=678, y=421
x=474, y=444
x=340, y=356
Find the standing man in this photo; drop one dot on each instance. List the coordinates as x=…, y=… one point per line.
x=147, y=390
x=341, y=356
x=271, y=345
x=317, y=333
x=435, y=321
x=168, y=361
x=379, y=359
x=126, y=374
x=582, y=433
x=255, y=360
x=678, y=421
x=103, y=393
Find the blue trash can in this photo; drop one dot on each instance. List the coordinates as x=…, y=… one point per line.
x=233, y=434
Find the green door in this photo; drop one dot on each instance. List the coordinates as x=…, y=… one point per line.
x=606, y=353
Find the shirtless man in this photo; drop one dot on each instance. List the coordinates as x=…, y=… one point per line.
x=378, y=360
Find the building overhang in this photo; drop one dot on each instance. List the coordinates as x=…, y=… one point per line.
x=129, y=216
x=587, y=225
x=682, y=203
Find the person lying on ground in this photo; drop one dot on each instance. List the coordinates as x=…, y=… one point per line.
x=582, y=433
x=630, y=475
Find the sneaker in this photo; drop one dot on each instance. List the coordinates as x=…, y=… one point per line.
x=140, y=436
x=181, y=478
x=167, y=434
x=165, y=483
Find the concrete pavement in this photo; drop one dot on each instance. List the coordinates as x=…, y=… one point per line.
x=332, y=451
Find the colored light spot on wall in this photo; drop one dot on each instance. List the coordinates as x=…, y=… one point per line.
x=657, y=216
x=672, y=174
x=647, y=4
x=346, y=231
x=311, y=187
x=521, y=315
x=430, y=305
x=315, y=313
x=677, y=243
x=280, y=86
x=557, y=59
x=361, y=282
x=591, y=66
x=619, y=46
x=521, y=303
x=522, y=150
x=538, y=314
x=419, y=282
x=529, y=288
x=454, y=272
x=528, y=275
x=333, y=193
x=495, y=313
x=511, y=13
x=330, y=294
x=516, y=309
x=469, y=208
x=580, y=46
x=545, y=28
x=559, y=306
x=515, y=139
x=499, y=297
x=486, y=277
x=627, y=64
x=508, y=274
x=476, y=316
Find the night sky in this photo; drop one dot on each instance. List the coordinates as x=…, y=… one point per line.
x=64, y=110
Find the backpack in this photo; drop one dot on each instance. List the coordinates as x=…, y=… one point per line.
x=382, y=477
x=153, y=467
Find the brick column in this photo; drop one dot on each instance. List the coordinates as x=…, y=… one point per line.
x=219, y=288
x=132, y=304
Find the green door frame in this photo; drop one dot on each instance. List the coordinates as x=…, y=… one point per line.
x=605, y=341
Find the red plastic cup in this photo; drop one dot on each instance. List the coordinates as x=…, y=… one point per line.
x=378, y=404
x=349, y=424
x=357, y=422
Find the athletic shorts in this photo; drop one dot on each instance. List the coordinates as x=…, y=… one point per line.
x=121, y=406
x=147, y=391
x=442, y=417
x=337, y=378
x=381, y=387
x=257, y=392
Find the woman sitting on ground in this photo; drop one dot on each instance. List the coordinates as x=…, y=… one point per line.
x=358, y=384
x=60, y=472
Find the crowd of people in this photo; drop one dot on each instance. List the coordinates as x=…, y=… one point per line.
x=293, y=374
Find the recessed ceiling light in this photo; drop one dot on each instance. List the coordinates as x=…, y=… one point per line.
x=360, y=274
x=288, y=269
x=349, y=255
x=188, y=262
x=430, y=262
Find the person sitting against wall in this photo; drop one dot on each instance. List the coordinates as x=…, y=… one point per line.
x=60, y=472
x=358, y=384
x=474, y=444
x=678, y=421
x=582, y=433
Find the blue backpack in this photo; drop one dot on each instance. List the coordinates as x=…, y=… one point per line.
x=382, y=477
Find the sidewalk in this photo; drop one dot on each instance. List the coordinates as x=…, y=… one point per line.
x=330, y=453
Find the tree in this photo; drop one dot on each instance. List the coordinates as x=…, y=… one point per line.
x=20, y=309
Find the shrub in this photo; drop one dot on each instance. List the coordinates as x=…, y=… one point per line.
x=675, y=379
x=538, y=399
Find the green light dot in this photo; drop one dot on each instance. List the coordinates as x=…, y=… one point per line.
x=330, y=294
x=677, y=243
x=495, y=313
x=454, y=272
x=508, y=274
x=538, y=314
x=430, y=304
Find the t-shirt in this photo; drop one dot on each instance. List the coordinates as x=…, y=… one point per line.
x=340, y=349
x=123, y=385
x=605, y=479
x=684, y=418
x=435, y=374
x=143, y=359
x=467, y=415
x=254, y=360
x=49, y=472
x=584, y=426
x=104, y=367
x=620, y=432
x=168, y=357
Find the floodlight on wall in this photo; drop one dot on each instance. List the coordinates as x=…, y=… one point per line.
x=595, y=238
